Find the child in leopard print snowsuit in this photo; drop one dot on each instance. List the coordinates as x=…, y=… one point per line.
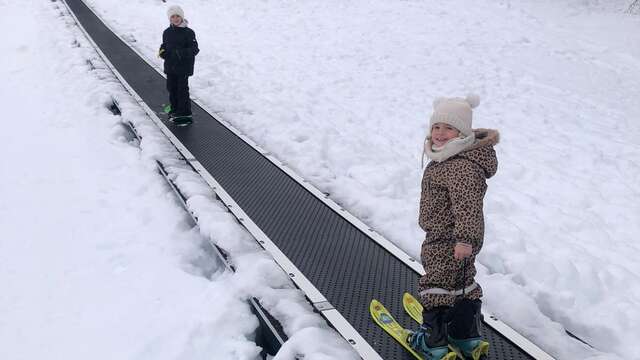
x=453, y=188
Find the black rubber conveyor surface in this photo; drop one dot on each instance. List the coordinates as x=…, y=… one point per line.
x=343, y=263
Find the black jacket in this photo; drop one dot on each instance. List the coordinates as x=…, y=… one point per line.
x=179, y=49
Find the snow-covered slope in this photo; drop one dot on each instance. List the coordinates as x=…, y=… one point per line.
x=97, y=258
x=342, y=91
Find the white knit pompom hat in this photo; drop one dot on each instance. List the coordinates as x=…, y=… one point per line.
x=456, y=112
x=175, y=10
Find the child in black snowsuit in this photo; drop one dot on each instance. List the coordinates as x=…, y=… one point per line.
x=179, y=48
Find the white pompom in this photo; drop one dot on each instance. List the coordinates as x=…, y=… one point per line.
x=473, y=100
x=438, y=101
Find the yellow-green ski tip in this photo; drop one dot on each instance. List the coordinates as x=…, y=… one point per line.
x=481, y=350
x=450, y=356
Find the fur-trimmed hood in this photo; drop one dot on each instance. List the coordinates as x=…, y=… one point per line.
x=482, y=152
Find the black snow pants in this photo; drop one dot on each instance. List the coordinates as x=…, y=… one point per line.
x=178, y=87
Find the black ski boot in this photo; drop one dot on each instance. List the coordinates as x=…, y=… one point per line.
x=430, y=339
x=463, y=330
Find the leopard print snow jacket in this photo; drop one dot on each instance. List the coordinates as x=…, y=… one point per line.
x=453, y=192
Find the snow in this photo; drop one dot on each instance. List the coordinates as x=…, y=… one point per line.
x=97, y=257
x=342, y=91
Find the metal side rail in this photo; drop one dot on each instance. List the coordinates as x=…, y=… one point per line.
x=336, y=260
x=269, y=336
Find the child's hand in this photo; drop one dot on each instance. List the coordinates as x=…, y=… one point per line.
x=462, y=251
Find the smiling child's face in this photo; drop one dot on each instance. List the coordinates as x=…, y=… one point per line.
x=175, y=20
x=442, y=133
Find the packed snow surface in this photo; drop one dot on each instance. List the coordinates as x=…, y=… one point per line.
x=342, y=91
